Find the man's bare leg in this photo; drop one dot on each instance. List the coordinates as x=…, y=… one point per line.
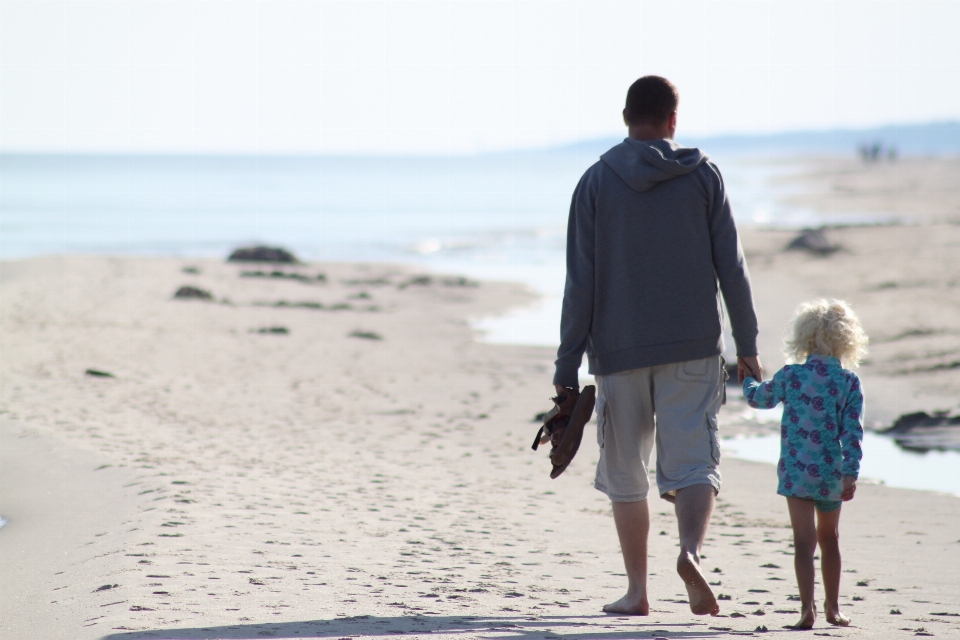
x=694, y=506
x=633, y=528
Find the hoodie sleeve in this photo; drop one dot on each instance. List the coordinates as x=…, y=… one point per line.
x=577, y=314
x=731, y=268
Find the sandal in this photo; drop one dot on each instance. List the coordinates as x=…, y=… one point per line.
x=563, y=426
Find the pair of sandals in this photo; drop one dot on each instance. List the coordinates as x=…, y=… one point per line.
x=563, y=426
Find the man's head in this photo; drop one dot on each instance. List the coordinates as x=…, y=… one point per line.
x=651, y=110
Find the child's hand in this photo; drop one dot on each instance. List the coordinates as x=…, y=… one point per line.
x=849, y=488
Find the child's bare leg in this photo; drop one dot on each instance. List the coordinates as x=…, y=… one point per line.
x=828, y=536
x=804, y=546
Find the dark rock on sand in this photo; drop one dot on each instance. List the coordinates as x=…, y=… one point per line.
x=366, y=335
x=262, y=254
x=320, y=277
x=193, y=293
x=923, y=432
x=283, y=304
x=447, y=281
x=99, y=374
x=813, y=241
x=280, y=331
x=299, y=305
x=372, y=282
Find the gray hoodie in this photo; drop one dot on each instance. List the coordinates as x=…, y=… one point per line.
x=650, y=237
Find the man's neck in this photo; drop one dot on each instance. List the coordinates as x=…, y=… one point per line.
x=646, y=132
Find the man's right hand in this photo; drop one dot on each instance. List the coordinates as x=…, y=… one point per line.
x=561, y=389
x=749, y=366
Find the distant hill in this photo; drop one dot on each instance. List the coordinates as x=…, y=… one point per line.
x=935, y=138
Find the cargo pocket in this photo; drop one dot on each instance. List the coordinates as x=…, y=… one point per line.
x=714, y=438
x=601, y=420
x=694, y=370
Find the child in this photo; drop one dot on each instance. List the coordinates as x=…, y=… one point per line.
x=820, y=436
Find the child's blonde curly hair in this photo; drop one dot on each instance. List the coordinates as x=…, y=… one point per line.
x=827, y=328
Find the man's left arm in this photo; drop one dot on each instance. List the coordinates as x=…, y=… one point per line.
x=731, y=269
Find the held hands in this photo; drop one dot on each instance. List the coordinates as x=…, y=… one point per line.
x=849, y=488
x=749, y=366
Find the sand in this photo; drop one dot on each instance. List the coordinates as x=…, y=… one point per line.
x=908, y=190
x=369, y=472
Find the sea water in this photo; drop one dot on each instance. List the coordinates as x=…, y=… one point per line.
x=502, y=211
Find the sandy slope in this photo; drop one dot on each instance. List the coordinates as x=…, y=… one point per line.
x=318, y=484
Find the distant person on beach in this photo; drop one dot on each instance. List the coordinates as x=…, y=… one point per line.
x=820, y=436
x=651, y=244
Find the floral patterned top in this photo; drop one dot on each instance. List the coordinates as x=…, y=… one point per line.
x=821, y=428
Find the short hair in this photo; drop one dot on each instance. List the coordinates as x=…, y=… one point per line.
x=651, y=100
x=827, y=328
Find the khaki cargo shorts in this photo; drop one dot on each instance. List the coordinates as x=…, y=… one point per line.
x=673, y=405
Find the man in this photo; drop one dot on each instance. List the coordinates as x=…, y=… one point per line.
x=650, y=237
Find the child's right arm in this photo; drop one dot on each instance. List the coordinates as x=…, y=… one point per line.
x=764, y=395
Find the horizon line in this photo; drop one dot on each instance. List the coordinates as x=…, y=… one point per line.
x=557, y=147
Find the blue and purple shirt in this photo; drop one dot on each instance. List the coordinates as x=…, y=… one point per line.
x=822, y=425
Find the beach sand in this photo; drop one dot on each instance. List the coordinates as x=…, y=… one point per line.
x=369, y=473
x=908, y=190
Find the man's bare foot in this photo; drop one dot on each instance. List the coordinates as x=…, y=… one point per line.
x=808, y=616
x=702, y=600
x=834, y=617
x=630, y=604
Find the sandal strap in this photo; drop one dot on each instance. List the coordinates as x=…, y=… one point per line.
x=536, y=441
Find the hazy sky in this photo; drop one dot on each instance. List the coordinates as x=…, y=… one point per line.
x=450, y=77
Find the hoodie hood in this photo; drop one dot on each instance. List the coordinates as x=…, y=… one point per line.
x=643, y=165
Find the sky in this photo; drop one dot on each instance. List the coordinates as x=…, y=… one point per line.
x=451, y=77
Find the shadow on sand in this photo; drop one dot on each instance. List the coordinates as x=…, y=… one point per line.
x=587, y=627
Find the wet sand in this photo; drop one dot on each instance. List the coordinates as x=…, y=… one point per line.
x=369, y=472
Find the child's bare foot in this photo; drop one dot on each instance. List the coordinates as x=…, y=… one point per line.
x=632, y=604
x=808, y=616
x=834, y=616
x=702, y=600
